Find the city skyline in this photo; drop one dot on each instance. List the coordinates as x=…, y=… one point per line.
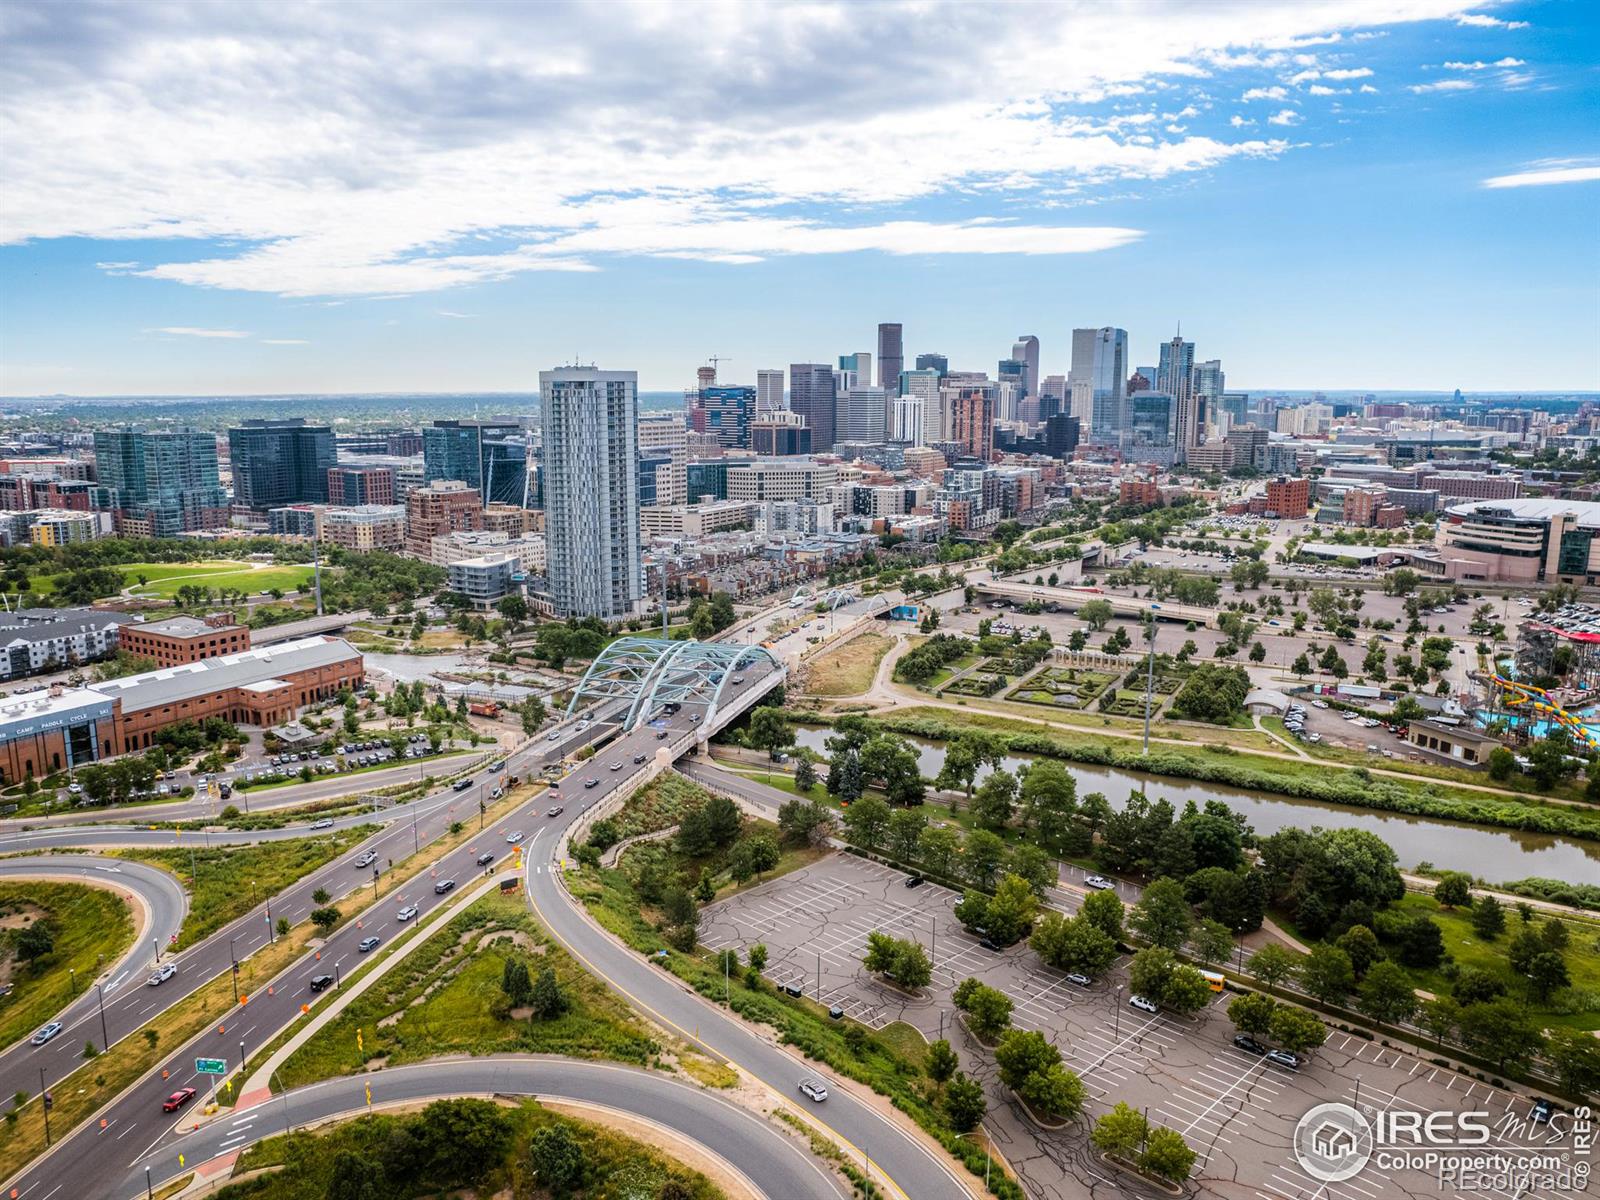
x=1411, y=185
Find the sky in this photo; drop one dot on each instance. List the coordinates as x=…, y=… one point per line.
x=242, y=198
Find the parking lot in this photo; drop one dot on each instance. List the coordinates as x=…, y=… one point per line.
x=1237, y=1110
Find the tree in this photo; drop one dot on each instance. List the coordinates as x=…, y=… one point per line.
x=1272, y=964
x=1549, y=763
x=462, y=1139
x=1053, y=1092
x=805, y=821
x=1035, y=866
x=1185, y=990
x=1166, y=1154
x=353, y=1177
x=1149, y=971
x=984, y=854
x=1386, y=994
x=937, y=848
x=769, y=731
x=1296, y=1030
x=942, y=1061
x=533, y=715
x=1454, y=888
x=866, y=823
x=1488, y=917
x=1095, y=614
x=1575, y=1055
x=1121, y=1131
x=995, y=800
x=547, y=999
x=1419, y=942
x=556, y=1158
x=1302, y=665
x=987, y=1009
x=514, y=982
x=1500, y=1031
x=1439, y=1016
x=1212, y=693
x=1213, y=941
x=1011, y=910
x=906, y=826
x=1327, y=974
x=1049, y=801
x=805, y=772
x=1073, y=944
x=963, y=759
x=1162, y=915
x=1021, y=1053
x=890, y=760
x=901, y=960
x=34, y=942
x=1252, y=1012
x=325, y=919
x=964, y=1103
x=1547, y=973
x=1361, y=945
x=1104, y=910
x=753, y=855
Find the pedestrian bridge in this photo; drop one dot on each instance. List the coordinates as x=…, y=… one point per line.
x=715, y=680
x=1074, y=598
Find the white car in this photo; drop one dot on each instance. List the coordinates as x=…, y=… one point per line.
x=555, y=736
x=163, y=973
x=1319, y=704
x=813, y=1090
x=1099, y=882
x=514, y=837
x=406, y=913
x=1143, y=1005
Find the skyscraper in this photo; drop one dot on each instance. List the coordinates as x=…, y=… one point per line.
x=591, y=490
x=769, y=392
x=1026, y=350
x=812, y=395
x=972, y=421
x=891, y=356
x=728, y=413
x=161, y=483
x=473, y=451
x=863, y=415
x=280, y=462
x=933, y=362
x=1209, y=385
x=1175, y=377
x=923, y=386
x=1099, y=383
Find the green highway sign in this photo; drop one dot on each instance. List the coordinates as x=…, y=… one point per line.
x=211, y=1066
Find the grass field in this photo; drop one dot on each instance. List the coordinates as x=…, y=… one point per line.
x=614, y=1166
x=848, y=669
x=92, y=928
x=164, y=579
x=228, y=881
x=446, y=999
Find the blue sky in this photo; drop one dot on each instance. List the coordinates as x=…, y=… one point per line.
x=249, y=199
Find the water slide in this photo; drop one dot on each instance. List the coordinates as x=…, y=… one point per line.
x=1525, y=697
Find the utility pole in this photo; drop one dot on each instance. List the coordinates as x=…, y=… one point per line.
x=105, y=1038
x=47, y=1100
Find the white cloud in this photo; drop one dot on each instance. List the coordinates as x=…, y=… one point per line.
x=1544, y=177
x=1287, y=117
x=1368, y=90
x=1239, y=122
x=1444, y=85
x=1316, y=89
x=1300, y=77
x=340, y=156
x=116, y=267
x=459, y=316
x=191, y=331
x=1348, y=73
x=1480, y=65
x=1483, y=21
x=284, y=342
x=1265, y=93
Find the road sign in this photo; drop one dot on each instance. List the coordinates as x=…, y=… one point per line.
x=211, y=1066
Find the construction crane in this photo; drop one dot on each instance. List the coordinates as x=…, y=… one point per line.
x=716, y=361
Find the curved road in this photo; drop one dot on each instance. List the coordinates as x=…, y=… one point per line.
x=777, y=1165
x=901, y=1159
x=164, y=899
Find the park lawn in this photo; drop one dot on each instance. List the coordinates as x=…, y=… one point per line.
x=445, y=998
x=614, y=1165
x=1464, y=945
x=285, y=578
x=92, y=927
x=944, y=673
x=848, y=670
x=154, y=572
x=234, y=879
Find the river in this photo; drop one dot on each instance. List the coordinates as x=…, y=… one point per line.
x=1496, y=855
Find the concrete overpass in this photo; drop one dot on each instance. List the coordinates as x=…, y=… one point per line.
x=1076, y=598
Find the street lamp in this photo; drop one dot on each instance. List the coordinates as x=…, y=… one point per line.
x=105, y=1038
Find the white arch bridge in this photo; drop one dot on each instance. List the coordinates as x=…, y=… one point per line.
x=719, y=681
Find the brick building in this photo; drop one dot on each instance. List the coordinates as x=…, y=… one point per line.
x=444, y=506
x=185, y=639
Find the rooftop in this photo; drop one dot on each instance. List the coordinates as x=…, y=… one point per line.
x=260, y=665
x=182, y=627
x=1531, y=509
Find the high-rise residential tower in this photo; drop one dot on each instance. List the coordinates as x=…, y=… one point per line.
x=280, y=462
x=489, y=455
x=591, y=490
x=1026, y=350
x=1098, y=383
x=891, y=355
x=161, y=484
x=812, y=395
x=1175, y=377
x=1209, y=384
x=769, y=392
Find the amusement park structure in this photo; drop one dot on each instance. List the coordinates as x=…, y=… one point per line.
x=1524, y=705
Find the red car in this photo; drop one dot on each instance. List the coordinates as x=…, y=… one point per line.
x=177, y=1100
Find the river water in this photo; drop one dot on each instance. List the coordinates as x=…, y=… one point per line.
x=1496, y=855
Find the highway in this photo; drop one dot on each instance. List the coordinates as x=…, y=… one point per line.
x=902, y=1160
x=776, y=1165
x=164, y=900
